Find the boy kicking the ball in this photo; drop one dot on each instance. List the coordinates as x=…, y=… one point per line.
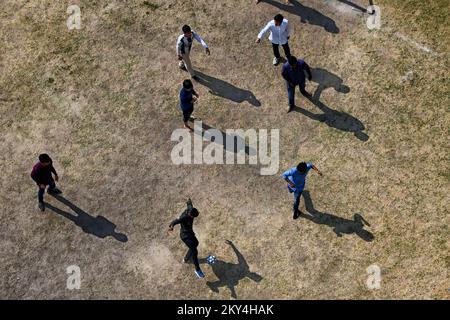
x=296, y=179
x=187, y=235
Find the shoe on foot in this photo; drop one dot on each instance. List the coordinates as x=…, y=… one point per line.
x=199, y=274
x=182, y=66
x=296, y=214
x=276, y=61
x=41, y=206
x=192, y=118
x=290, y=108
x=54, y=191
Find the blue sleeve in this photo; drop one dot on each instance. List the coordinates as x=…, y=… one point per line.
x=287, y=174
x=309, y=166
x=284, y=73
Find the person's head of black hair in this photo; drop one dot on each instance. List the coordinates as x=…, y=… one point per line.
x=278, y=18
x=186, y=29
x=194, y=213
x=44, y=158
x=292, y=61
x=301, y=167
x=187, y=84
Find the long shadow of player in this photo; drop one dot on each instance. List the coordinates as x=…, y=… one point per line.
x=335, y=119
x=356, y=6
x=229, y=274
x=306, y=14
x=98, y=226
x=226, y=90
x=230, y=143
x=340, y=225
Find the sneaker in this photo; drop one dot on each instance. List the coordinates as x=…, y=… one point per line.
x=182, y=66
x=296, y=214
x=192, y=118
x=54, y=191
x=199, y=274
x=41, y=206
x=276, y=61
x=290, y=108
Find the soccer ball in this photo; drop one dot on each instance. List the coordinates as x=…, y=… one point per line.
x=211, y=259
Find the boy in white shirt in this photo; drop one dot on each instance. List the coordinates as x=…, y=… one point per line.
x=280, y=32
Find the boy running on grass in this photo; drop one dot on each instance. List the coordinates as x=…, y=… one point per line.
x=296, y=179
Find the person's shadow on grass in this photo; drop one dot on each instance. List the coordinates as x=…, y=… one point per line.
x=335, y=119
x=226, y=90
x=340, y=225
x=235, y=144
x=98, y=226
x=306, y=14
x=229, y=274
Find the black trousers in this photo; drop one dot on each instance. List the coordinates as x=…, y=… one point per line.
x=187, y=114
x=192, y=243
x=276, y=50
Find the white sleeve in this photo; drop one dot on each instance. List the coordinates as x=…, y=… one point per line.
x=264, y=30
x=288, y=28
x=199, y=39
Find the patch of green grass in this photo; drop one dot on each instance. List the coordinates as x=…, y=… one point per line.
x=150, y=5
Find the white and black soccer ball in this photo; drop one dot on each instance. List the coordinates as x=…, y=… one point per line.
x=211, y=259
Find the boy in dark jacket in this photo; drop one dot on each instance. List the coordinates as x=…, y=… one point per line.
x=42, y=175
x=187, y=235
x=293, y=73
x=187, y=98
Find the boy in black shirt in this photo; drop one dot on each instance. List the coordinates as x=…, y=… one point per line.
x=187, y=235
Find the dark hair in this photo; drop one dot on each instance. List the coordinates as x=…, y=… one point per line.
x=187, y=84
x=44, y=158
x=186, y=28
x=302, y=167
x=279, y=17
x=194, y=212
x=292, y=60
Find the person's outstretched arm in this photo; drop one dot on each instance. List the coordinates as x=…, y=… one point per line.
x=202, y=42
x=263, y=32
x=241, y=259
x=175, y=222
x=189, y=205
x=316, y=170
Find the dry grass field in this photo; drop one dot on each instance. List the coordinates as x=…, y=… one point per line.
x=103, y=102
